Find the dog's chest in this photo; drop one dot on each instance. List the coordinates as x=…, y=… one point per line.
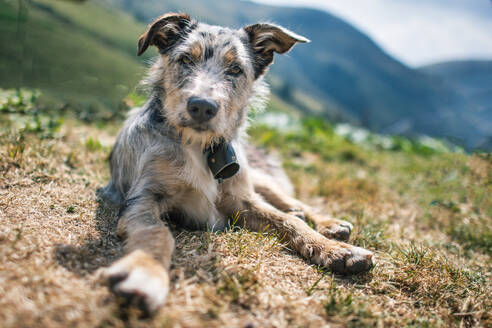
x=197, y=174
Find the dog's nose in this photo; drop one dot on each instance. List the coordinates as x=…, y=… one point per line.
x=202, y=110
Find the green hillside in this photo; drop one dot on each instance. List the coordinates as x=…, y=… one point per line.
x=80, y=54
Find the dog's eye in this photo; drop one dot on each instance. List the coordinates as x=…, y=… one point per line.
x=234, y=70
x=186, y=60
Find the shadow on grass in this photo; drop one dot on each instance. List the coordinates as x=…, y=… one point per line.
x=108, y=247
x=95, y=253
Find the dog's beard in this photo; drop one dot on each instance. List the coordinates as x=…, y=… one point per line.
x=204, y=138
x=198, y=127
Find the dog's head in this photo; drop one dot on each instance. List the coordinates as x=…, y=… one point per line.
x=209, y=74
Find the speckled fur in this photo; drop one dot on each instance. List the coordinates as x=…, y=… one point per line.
x=158, y=166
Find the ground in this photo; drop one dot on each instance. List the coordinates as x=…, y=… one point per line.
x=427, y=216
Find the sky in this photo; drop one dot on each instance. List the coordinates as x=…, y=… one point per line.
x=417, y=32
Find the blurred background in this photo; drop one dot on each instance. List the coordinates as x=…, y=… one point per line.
x=408, y=68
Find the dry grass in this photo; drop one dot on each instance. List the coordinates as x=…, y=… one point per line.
x=55, y=233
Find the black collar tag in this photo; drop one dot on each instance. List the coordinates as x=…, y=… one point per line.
x=222, y=161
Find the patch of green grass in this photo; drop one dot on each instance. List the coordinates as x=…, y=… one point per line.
x=315, y=135
x=370, y=233
x=93, y=144
x=344, y=304
x=20, y=112
x=472, y=236
x=427, y=273
x=237, y=285
x=451, y=196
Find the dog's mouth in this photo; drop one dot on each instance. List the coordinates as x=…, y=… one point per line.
x=198, y=127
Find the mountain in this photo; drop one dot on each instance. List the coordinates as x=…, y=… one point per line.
x=472, y=79
x=342, y=74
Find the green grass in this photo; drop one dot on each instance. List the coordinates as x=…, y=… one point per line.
x=82, y=55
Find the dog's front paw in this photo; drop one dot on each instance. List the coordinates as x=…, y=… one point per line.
x=338, y=257
x=140, y=280
x=334, y=229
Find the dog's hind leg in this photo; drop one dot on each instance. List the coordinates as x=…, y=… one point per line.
x=142, y=275
x=329, y=227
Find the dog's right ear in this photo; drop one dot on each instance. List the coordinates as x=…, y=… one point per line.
x=164, y=32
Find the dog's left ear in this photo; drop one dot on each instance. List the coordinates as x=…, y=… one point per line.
x=164, y=32
x=265, y=39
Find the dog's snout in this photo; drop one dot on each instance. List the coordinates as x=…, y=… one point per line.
x=202, y=110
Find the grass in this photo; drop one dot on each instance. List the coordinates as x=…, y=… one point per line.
x=77, y=54
x=427, y=215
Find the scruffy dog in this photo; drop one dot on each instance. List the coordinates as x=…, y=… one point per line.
x=183, y=155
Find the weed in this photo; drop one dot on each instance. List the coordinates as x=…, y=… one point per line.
x=93, y=144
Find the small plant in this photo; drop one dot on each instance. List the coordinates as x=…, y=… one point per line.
x=93, y=144
x=416, y=254
x=16, y=147
x=21, y=101
x=21, y=113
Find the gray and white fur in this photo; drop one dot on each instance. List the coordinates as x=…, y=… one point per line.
x=202, y=86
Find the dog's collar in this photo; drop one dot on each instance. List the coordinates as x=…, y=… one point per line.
x=222, y=161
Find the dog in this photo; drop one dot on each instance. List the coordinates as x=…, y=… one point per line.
x=184, y=155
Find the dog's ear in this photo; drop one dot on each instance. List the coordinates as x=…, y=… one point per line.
x=265, y=39
x=164, y=32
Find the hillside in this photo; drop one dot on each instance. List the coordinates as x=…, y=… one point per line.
x=75, y=53
x=473, y=80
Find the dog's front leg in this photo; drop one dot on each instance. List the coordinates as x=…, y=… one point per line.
x=339, y=257
x=327, y=226
x=142, y=275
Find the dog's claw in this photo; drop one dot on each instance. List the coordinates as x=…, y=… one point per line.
x=360, y=261
x=356, y=261
x=339, y=257
x=336, y=229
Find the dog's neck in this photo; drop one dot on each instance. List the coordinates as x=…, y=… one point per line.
x=156, y=119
